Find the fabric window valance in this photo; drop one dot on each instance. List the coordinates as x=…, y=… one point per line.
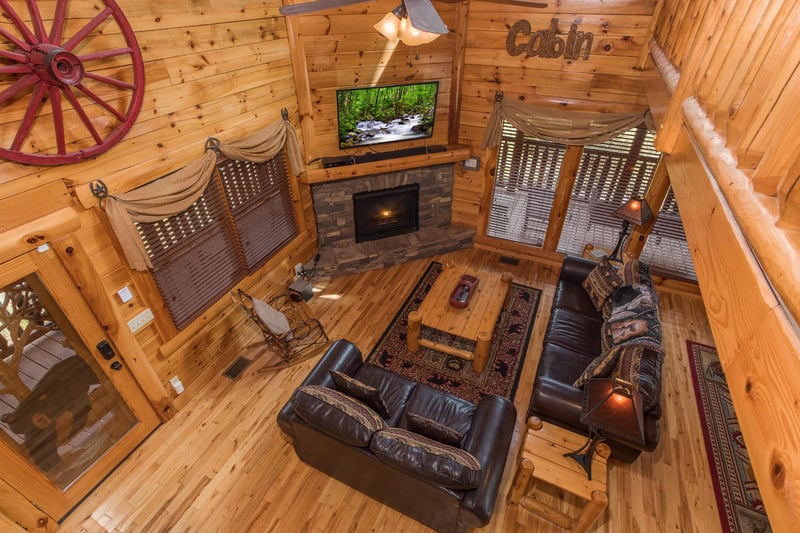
x=556, y=125
x=176, y=192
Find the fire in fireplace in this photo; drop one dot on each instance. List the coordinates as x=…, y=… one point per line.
x=386, y=212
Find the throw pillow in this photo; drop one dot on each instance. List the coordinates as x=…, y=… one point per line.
x=641, y=365
x=601, y=282
x=361, y=391
x=276, y=322
x=601, y=366
x=433, y=430
x=426, y=458
x=337, y=414
x=634, y=317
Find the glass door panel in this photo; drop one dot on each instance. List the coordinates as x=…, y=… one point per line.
x=70, y=410
x=56, y=409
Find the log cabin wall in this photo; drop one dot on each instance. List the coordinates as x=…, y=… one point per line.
x=213, y=68
x=608, y=81
x=724, y=91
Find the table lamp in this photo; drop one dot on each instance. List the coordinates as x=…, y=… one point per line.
x=611, y=406
x=634, y=211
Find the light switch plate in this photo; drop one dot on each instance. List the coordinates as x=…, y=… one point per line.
x=141, y=320
x=125, y=295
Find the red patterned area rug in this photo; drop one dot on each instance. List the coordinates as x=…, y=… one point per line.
x=738, y=498
x=451, y=374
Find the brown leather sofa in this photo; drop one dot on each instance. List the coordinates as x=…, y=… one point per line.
x=571, y=342
x=487, y=429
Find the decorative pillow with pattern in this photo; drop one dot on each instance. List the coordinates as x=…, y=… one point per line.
x=361, y=391
x=337, y=414
x=428, y=459
x=601, y=282
x=641, y=365
x=433, y=430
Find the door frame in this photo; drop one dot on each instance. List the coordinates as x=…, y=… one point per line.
x=15, y=469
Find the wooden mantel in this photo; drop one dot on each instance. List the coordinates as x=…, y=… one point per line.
x=453, y=154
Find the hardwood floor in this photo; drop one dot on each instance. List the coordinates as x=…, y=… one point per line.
x=222, y=464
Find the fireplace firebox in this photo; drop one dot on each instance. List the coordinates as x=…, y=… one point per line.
x=386, y=212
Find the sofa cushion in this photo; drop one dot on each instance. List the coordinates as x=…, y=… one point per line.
x=433, y=430
x=641, y=365
x=574, y=331
x=337, y=414
x=360, y=391
x=572, y=296
x=452, y=411
x=426, y=458
x=395, y=389
x=601, y=282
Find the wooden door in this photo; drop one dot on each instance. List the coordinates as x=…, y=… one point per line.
x=70, y=410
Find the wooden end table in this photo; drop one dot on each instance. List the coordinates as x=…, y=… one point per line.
x=474, y=322
x=542, y=458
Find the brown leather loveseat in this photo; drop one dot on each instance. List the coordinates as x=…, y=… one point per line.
x=627, y=329
x=430, y=455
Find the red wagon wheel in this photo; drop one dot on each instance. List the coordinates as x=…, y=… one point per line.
x=70, y=93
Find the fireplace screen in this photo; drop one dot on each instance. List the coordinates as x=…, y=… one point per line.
x=387, y=212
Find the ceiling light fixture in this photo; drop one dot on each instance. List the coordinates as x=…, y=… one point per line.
x=397, y=26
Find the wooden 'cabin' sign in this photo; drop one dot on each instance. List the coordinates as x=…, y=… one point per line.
x=548, y=43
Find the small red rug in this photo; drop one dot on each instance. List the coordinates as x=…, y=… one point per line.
x=738, y=498
x=451, y=374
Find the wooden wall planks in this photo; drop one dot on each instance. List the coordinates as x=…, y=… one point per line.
x=213, y=68
x=608, y=81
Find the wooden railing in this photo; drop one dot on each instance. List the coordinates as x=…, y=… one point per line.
x=729, y=116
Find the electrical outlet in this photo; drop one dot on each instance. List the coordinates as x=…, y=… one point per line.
x=141, y=320
x=177, y=385
x=298, y=269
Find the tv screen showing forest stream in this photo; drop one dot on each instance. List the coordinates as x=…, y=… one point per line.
x=376, y=115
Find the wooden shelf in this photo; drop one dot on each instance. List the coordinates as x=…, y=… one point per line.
x=321, y=175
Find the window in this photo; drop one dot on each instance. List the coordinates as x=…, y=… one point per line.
x=524, y=187
x=243, y=218
x=609, y=175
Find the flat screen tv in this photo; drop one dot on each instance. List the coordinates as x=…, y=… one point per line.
x=375, y=115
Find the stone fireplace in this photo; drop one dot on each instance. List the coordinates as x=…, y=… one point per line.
x=341, y=253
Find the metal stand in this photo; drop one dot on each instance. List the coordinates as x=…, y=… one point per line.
x=584, y=454
x=624, y=232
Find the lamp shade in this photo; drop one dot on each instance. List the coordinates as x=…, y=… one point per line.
x=636, y=211
x=389, y=25
x=613, y=407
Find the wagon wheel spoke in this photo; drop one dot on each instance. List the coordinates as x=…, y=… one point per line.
x=34, y=106
x=36, y=18
x=86, y=30
x=58, y=119
x=18, y=23
x=82, y=113
x=58, y=21
x=99, y=101
x=49, y=72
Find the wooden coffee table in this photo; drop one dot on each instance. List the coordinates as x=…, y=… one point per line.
x=474, y=322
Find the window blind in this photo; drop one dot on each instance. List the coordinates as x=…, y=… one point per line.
x=666, y=248
x=525, y=184
x=609, y=174
x=244, y=217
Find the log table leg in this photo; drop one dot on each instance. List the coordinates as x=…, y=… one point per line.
x=412, y=337
x=482, y=346
x=521, y=479
x=591, y=512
